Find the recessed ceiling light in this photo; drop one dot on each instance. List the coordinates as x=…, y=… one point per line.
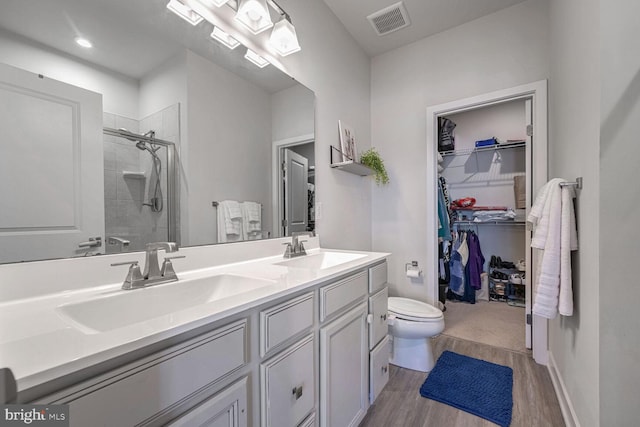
x=83, y=42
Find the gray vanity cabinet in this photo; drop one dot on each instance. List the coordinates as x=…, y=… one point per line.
x=344, y=352
x=227, y=408
x=154, y=389
x=379, y=343
x=288, y=374
x=319, y=357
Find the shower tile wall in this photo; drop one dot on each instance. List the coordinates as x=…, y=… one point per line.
x=126, y=216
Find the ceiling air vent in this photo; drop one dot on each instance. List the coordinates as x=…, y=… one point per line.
x=389, y=19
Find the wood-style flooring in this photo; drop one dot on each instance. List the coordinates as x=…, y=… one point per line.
x=400, y=404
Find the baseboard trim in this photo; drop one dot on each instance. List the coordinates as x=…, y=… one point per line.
x=568, y=413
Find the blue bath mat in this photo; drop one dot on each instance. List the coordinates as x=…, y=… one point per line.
x=472, y=385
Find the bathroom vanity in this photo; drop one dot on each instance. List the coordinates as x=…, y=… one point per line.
x=253, y=340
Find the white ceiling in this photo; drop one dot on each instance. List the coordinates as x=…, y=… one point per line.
x=427, y=17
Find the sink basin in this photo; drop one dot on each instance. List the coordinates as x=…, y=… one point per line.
x=128, y=307
x=321, y=261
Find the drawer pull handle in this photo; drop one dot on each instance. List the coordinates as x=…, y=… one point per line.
x=297, y=392
x=385, y=369
x=383, y=317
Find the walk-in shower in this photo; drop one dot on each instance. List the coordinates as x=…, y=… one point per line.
x=141, y=201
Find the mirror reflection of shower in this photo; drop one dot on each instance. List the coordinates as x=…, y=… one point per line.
x=141, y=195
x=155, y=202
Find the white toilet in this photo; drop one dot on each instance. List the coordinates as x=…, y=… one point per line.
x=412, y=324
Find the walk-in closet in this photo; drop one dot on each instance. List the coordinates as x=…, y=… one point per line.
x=484, y=168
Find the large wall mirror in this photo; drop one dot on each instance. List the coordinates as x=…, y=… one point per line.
x=157, y=132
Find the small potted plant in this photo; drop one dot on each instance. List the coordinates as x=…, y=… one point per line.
x=371, y=158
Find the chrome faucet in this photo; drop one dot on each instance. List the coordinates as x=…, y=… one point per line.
x=151, y=267
x=153, y=274
x=296, y=247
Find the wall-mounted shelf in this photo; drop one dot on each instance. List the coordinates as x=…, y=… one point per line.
x=133, y=175
x=495, y=147
x=349, y=165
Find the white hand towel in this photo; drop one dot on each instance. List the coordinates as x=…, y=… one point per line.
x=229, y=220
x=252, y=220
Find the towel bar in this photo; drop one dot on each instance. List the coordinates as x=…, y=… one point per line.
x=577, y=183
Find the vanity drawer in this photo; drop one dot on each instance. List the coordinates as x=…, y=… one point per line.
x=284, y=321
x=341, y=294
x=379, y=368
x=377, y=277
x=288, y=385
x=146, y=388
x=378, y=328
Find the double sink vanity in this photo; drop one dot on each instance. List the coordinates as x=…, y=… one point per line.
x=244, y=337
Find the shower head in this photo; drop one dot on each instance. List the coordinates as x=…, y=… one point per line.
x=141, y=145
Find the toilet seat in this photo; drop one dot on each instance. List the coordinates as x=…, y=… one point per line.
x=417, y=311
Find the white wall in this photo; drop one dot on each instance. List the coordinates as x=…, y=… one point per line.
x=619, y=212
x=225, y=110
x=502, y=50
x=119, y=93
x=573, y=152
x=292, y=113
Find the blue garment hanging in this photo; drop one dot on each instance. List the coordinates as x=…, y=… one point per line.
x=444, y=231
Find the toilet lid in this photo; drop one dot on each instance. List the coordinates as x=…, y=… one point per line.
x=409, y=308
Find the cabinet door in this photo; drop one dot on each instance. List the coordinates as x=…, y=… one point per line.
x=226, y=409
x=344, y=360
x=379, y=368
x=288, y=385
x=378, y=328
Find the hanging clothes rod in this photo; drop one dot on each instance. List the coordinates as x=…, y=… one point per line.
x=577, y=183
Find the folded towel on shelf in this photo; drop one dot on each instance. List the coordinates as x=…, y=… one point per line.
x=555, y=235
x=252, y=220
x=229, y=221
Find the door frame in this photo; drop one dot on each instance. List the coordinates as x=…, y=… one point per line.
x=276, y=189
x=537, y=91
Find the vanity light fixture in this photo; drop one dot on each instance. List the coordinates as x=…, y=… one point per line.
x=224, y=38
x=256, y=59
x=254, y=14
x=218, y=3
x=283, y=37
x=184, y=12
x=84, y=42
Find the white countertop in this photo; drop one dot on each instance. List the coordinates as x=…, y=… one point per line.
x=39, y=344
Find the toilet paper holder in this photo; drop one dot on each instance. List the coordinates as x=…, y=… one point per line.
x=411, y=268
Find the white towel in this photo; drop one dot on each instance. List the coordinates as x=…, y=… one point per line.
x=568, y=243
x=555, y=234
x=229, y=221
x=252, y=220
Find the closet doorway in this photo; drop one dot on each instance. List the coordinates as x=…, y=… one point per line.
x=517, y=118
